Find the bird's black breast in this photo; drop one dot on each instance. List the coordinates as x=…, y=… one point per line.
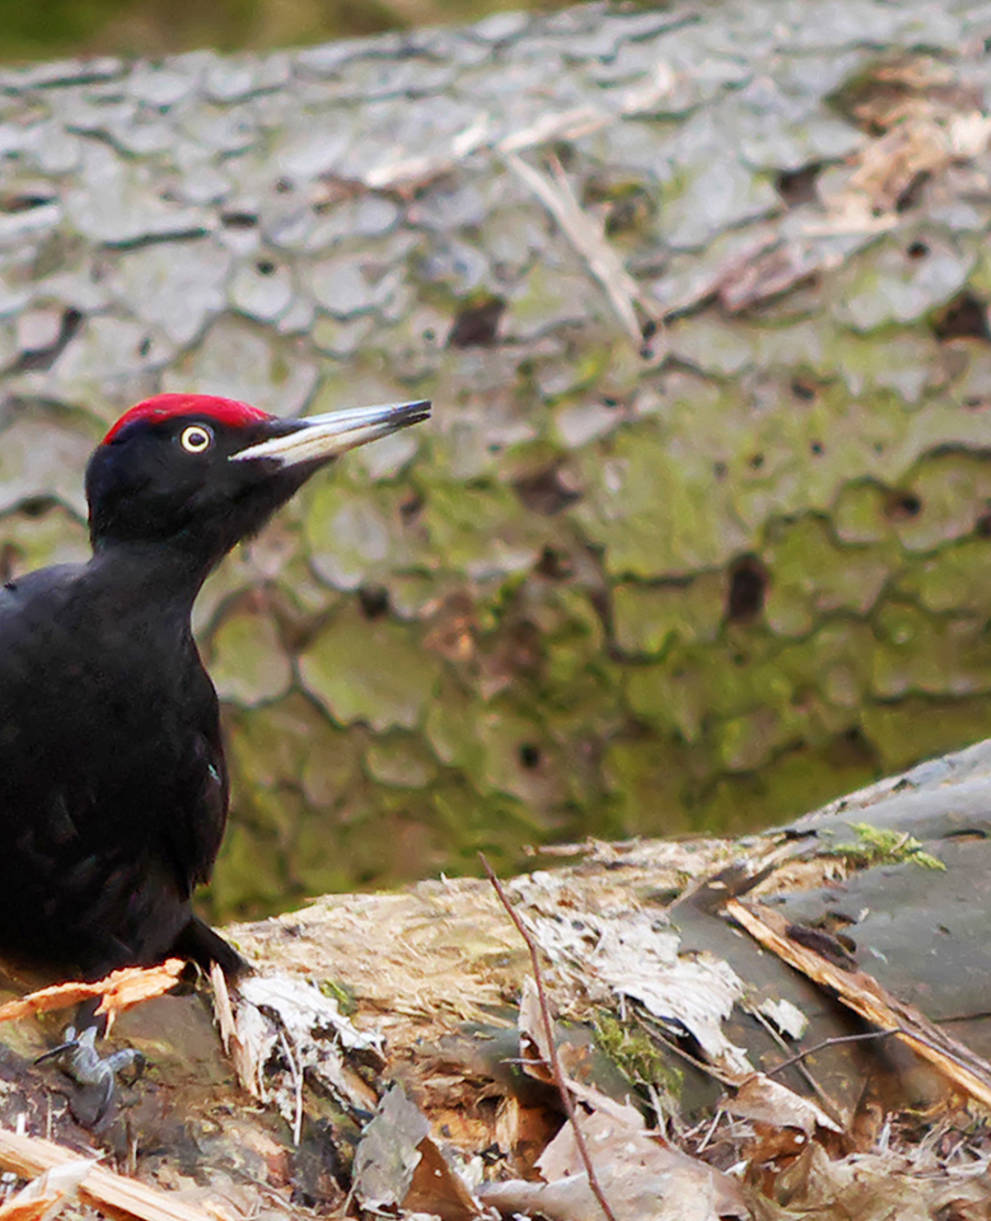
x=113, y=791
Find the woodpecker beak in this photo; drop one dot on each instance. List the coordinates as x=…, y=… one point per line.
x=319, y=438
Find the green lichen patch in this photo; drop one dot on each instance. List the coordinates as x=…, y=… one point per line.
x=176, y=287
x=941, y=500
x=945, y=654
x=645, y=533
x=647, y=617
x=958, y=575
x=917, y=727
x=481, y=531
x=248, y=660
x=355, y=535
x=370, y=670
x=50, y=535
x=400, y=761
x=901, y=280
x=812, y=576
x=41, y=458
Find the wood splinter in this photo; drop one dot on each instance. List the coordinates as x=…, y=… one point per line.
x=860, y=992
x=112, y=1194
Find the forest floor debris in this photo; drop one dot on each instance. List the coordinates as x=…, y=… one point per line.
x=418, y=1054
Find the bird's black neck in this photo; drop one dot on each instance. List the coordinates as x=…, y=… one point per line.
x=137, y=574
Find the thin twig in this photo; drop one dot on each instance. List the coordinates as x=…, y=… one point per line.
x=555, y=1063
x=482, y=135
x=839, y=1038
x=830, y=1104
x=296, y=1073
x=708, y=1135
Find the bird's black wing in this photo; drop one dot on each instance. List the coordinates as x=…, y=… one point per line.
x=194, y=834
x=113, y=792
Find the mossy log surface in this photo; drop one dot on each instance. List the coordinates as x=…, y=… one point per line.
x=701, y=577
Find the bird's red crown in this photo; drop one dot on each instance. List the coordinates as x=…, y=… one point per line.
x=228, y=412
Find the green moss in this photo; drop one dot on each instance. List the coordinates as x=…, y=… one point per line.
x=347, y=1002
x=883, y=846
x=637, y=1056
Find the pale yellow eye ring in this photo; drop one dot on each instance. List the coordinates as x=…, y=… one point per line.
x=196, y=439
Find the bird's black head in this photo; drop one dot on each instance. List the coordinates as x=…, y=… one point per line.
x=199, y=473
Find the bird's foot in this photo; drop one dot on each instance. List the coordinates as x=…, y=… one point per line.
x=94, y=1076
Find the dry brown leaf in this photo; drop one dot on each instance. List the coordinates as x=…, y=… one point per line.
x=389, y=1151
x=397, y=1164
x=770, y=1102
x=639, y=1176
x=868, y=1188
x=437, y=1189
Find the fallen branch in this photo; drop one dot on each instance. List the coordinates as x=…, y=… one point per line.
x=865, y=996
x=30, y=1156
x=552, y=1056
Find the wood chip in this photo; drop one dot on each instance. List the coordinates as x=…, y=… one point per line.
x=120, y=990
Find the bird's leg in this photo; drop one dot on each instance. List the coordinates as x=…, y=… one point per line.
x=200, y=943
x=94, y=1077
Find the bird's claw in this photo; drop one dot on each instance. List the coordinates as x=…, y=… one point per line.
x=95, y=1076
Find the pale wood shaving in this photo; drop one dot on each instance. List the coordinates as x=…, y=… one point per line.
x=111, y=1193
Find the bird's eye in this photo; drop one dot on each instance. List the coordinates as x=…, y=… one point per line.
x=196, y=439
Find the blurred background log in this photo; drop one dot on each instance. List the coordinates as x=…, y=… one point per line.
x=701, y=579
